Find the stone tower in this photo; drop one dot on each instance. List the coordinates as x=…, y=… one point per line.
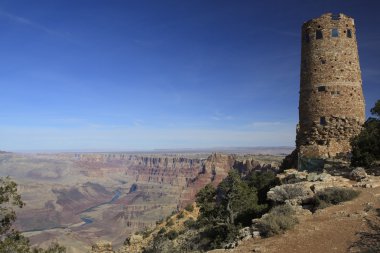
x=331, y=104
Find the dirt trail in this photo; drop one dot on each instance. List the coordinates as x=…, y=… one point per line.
x=334, y=229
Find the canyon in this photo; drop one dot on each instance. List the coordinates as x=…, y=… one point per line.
x=80, y=198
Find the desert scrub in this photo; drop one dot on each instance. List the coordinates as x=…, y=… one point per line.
x=145, y=232
x=190, y=223
x=170, y=223
x=279, y=219
x=180, y=215
x=162, y=231
x=189, y=208
x=172, y=234
x=333, y=195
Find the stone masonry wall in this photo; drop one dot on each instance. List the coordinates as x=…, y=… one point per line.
x=331, y=105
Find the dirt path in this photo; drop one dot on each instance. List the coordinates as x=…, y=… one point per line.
x=334, y=229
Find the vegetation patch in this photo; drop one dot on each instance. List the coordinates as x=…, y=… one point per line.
x=232, y=205
x=333, y=196
x=181, y=215
x=172, y=234
x=190, y=223
x=189, y=208
x=278, y=220
x=170, y=223
x=11, y=240
x=366, y=146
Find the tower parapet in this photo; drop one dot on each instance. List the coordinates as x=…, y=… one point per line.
x=331, y=104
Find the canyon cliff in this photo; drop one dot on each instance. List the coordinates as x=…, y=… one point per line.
x=78, y=199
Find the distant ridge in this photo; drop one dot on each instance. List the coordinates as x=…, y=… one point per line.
x=276, y=150
x=280, y=150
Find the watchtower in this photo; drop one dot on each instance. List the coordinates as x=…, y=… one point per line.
x=331, y=104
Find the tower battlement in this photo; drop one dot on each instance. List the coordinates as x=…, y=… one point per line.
x=331, y=104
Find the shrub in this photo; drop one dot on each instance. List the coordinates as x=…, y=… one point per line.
x=180, y=215
x=189, y=208
x=172, y=234
x=366, y=146
x=145, y=232
x=190, y=223
x=333, y=196
x=162, y=231
x=279, y=219
x=233, y=204
x=262, y=181
x=170, y=223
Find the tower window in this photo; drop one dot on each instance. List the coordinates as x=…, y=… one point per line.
x=321, y=88
x=322, y=121
x=334, y=32
x=349, y=33
x=335, y=16
x=318, y=34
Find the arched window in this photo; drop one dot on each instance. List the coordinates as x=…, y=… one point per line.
x=318, y=34
x=322, y=121
x=349, y=33
x=334, y=32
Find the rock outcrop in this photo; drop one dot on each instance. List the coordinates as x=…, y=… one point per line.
x=358, y=174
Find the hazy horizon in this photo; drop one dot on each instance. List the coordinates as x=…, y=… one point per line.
x=252, y=149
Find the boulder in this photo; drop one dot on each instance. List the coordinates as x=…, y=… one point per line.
x=358, y=174
x=323, y=177
x=245, y=234
x=295, y=194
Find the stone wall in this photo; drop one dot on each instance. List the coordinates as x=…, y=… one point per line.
x=331, y=105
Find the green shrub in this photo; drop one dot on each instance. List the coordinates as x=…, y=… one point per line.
x=366, y=146
x=145, y=232
x=333, y=196
x=190, y=223
x=279, y=219
x=262, y=181
x=180, y=215
x=233, y=204
x=162, y=231
x=170, y=223
x=189, y=208
x=217, y=236
x=172, y=234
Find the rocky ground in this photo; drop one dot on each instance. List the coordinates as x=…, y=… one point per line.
x=352, y=226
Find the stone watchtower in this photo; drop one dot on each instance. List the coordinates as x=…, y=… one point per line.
x=331, y=104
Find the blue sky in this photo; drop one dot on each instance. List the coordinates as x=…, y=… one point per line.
x=135, y=75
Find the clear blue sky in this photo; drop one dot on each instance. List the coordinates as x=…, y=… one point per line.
x=125, y=75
